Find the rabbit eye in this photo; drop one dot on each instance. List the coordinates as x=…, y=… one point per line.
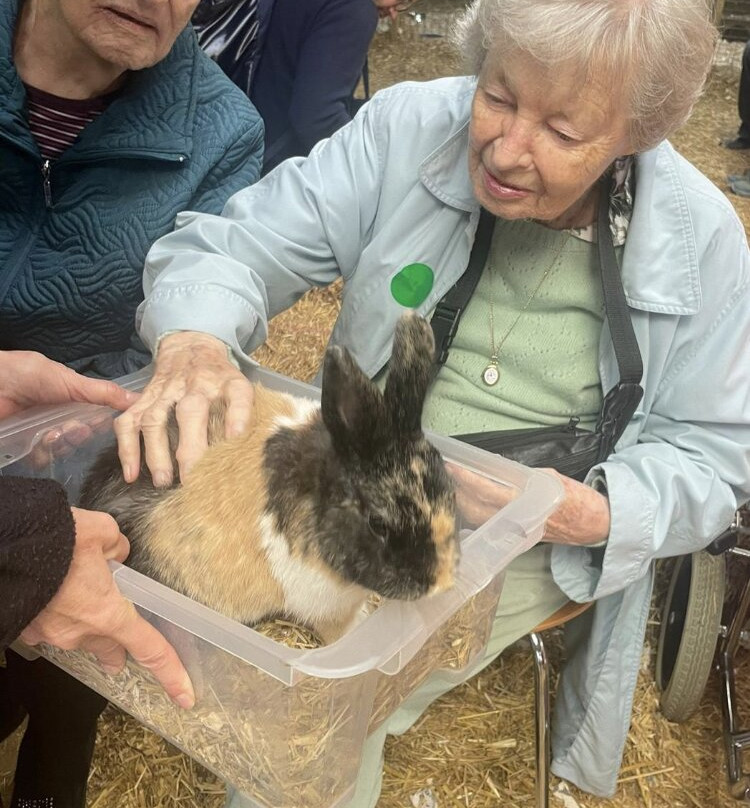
x=377, y=526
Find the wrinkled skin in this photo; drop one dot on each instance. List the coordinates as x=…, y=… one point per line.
x=83, y=48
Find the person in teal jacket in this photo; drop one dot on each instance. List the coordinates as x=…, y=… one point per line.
x=77, y=218
x=112, y=120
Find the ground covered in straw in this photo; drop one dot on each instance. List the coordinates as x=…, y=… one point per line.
x=474, y=747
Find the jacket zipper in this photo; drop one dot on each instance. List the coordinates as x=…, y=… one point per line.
x=125, y=155
x=46, y=168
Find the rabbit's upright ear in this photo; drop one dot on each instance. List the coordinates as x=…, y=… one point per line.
x=352, y=406
x=409, y=372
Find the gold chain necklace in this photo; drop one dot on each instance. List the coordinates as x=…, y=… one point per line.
x=491, y=374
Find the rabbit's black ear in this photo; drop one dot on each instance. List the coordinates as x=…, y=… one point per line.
x=352, y=406
x=409, y=372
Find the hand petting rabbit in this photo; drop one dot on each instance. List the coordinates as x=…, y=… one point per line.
x=308, y=511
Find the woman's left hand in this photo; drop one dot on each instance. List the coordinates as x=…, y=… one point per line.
x=581, y=518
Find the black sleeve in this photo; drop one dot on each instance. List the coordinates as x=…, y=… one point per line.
x=37, y=535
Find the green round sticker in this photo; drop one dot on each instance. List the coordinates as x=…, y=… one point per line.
x=412, y=284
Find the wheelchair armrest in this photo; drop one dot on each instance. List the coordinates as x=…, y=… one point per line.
x=724, y=542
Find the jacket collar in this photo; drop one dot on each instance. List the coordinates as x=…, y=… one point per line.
x=660, y=271
x=152, y=117
x=445, y=172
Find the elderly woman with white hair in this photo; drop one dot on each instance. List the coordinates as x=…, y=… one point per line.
x=607, y=299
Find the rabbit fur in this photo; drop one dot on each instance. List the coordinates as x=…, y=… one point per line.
x=309, y=511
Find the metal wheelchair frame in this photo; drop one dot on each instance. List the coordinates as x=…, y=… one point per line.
x=736, y=740
x=691, y=628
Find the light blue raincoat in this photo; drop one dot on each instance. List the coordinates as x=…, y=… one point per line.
x=392, y=189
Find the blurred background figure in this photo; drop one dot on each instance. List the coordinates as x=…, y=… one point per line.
x=740, y=183
x=742, y=139
x=298, y=62
x=391, y=8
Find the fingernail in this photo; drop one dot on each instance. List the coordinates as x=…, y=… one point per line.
x=237, y=429
x=161, y=479
x=185, y=700
x=111, y=670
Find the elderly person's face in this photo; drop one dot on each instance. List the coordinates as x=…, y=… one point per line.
x=539, y=141
x=131, y=34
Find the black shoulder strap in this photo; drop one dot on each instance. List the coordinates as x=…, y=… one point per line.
x=629, y=361
x=366, y=79
x=448, y=311
x=621, y=401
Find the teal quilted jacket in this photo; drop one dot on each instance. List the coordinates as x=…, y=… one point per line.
x=74, y=236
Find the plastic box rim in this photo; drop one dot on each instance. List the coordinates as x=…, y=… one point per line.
x=520, y=523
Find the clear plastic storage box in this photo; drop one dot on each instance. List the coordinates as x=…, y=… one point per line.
x=286, y=726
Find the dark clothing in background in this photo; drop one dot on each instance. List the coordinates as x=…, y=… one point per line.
x=743, y=99
x=36, y=545
x=311, y=61
x=228, y=31
x=57, y=747
x=302, y=68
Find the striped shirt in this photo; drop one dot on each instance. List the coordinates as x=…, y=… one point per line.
x=56, y=122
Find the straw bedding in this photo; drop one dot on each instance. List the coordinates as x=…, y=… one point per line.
x=475, y=746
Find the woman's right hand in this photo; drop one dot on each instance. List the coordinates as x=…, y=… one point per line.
x=192, y=370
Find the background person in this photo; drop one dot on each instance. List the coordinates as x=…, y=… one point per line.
x=391, y=8
x=742, y=139
x=740, y=183
x=299, y=63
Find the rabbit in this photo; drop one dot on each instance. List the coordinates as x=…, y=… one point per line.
x=311, y=510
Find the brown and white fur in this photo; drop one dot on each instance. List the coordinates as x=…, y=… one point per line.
x=309, y=511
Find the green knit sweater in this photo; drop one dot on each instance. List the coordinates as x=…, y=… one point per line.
x=548, y=362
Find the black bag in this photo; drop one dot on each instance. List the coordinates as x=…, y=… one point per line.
x=567, y=448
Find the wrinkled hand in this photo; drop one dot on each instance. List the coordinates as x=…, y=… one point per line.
x=477, y=497
x=192, y=371
x=581, y=518
x=88, y=612
x=27, y=378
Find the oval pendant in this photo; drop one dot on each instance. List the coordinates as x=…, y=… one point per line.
x=491, y=374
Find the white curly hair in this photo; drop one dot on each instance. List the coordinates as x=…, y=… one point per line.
x=655, y=53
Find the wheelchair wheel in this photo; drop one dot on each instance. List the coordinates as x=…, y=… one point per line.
x=689, y=632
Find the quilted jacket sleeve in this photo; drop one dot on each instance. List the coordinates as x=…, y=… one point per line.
x=37, y=535
x=238, y=168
